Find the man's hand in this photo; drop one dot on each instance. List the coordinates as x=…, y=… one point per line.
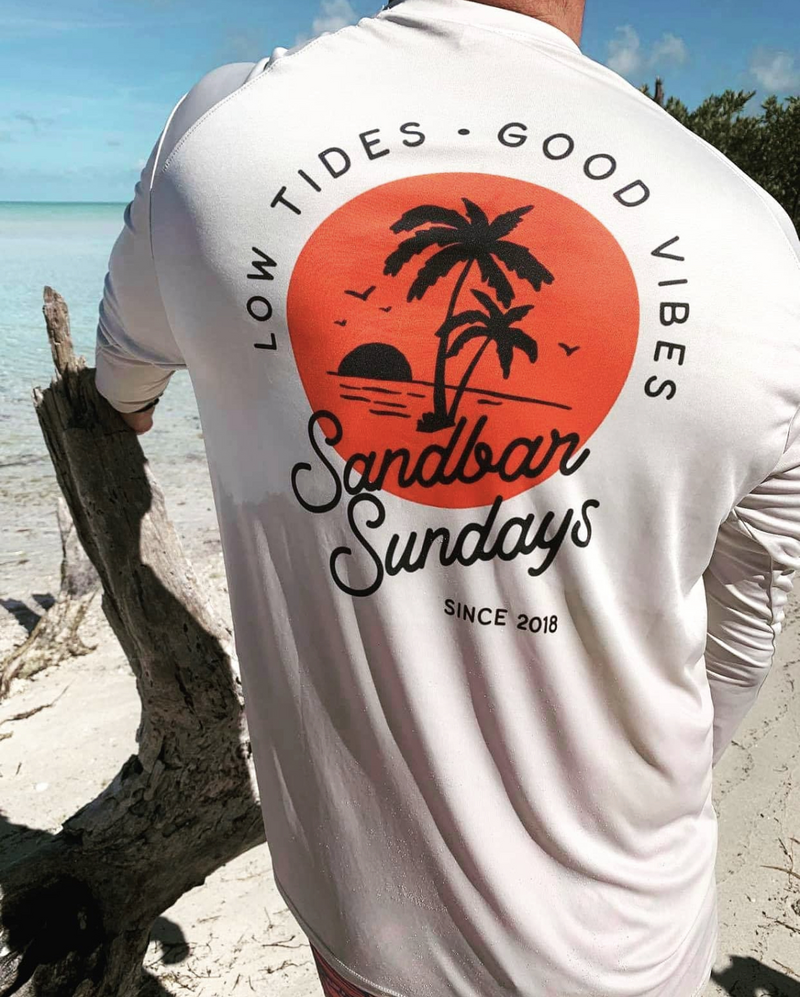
x=140, y=422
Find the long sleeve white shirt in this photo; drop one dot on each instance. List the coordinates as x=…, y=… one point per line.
x=498, y=368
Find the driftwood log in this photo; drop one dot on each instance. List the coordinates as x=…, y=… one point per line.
x=77, y=907
x=57, y=634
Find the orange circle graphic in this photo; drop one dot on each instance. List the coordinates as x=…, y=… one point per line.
x=460, y=328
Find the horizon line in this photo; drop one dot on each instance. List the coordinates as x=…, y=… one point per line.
x=62, y=202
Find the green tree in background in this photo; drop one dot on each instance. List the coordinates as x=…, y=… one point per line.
x=766, y=147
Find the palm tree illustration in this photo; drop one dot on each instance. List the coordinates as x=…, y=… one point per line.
x=495, y=326
x=470, y=239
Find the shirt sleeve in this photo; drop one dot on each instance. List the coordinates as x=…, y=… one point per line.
x=135, y=353
x=748, y=583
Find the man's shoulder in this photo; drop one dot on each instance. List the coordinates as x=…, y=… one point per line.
x=784, y=221
x=219, y=83
x=209, y=91
x=213, y=89
x=730, y=184
x=761, y=201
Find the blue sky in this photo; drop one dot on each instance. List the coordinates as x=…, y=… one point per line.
x=87, y=85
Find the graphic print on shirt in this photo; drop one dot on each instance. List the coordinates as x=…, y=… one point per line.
x=461, y=335
x=459, y=338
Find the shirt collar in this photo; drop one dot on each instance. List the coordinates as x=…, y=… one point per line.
x=483, y=14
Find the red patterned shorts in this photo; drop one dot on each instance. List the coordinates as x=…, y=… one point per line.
x=333, y=984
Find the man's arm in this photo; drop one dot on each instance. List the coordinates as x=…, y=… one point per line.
x=136, y=353
x=748, y=583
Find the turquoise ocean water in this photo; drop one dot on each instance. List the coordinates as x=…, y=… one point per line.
x=66, y=246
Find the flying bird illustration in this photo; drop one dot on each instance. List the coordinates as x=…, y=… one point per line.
x=569, y=350
x=387, y=309
x=341, y=322
x=361, y=296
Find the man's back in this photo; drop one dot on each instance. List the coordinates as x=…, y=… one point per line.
x=497, y=367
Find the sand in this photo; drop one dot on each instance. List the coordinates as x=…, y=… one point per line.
x=233, y=935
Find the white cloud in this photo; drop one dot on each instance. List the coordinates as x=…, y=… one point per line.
x=669, y=48
x=625, y=53
x=331, y=16
x=775, y=71
x=26, y=26
x=627, y=57
x=34, y=122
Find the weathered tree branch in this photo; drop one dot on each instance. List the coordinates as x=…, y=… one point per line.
x=77, y=908
x=57, y=634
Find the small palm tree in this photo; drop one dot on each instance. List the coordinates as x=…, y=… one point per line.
x=468, y=239
x=495, y=326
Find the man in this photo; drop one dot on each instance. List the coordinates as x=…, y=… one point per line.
x=498, y=368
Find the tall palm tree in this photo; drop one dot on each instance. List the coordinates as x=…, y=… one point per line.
x=496, y=326
x=468, y=239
